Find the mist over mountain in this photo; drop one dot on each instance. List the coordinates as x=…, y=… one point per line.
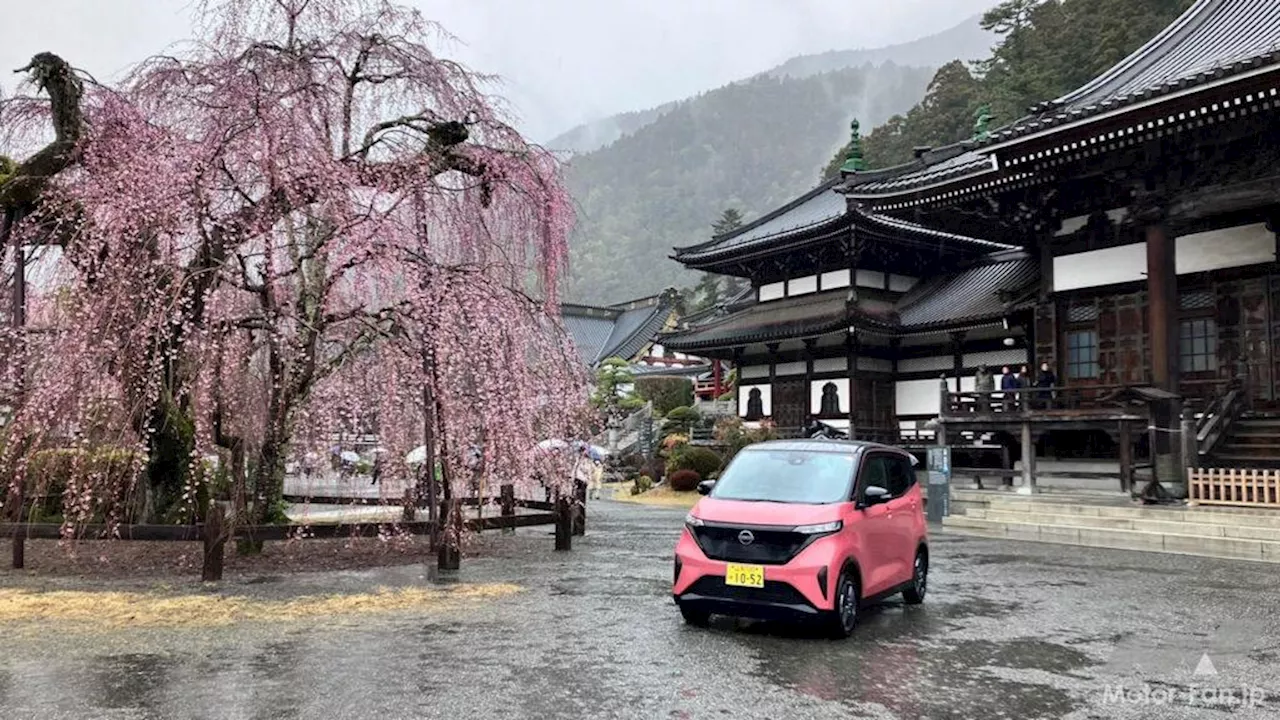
x=751, y=145
x=967, y=41
x=647, y=181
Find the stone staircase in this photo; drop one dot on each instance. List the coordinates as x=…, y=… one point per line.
x=1115, y=522
x=1252, y=441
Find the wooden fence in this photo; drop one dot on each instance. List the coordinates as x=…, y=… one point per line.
x=1225, y=486
x=568, y=515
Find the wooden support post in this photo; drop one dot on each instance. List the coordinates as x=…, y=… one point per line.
x=507, y=500
x=1190, y=447
x=851, y=369
x=449, y=551
x=410, y=505
x=564, y=523
x=1126, y=458
x=579, y=508
x=215, y=542
x=19, y=551
x=1028, y=461
x=1006, y=462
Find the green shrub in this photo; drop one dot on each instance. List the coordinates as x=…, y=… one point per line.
x=703, y=461
x=681, y=420
x=49, y=472
x=644, y=483
x=733, y=436
x=684, y=480
x=666, y=393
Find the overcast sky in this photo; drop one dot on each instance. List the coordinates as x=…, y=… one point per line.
x=563, y=61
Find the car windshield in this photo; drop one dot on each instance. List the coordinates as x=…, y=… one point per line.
x=787, y=476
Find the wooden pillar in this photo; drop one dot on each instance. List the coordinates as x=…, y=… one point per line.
x=410, y=513
x=449, y=552
x=507, y=500
x=957, y=351
x=1028, y=460
x=579, y=508
x=809, y=345
x=851, y=359
x=19, y=551
x=564, y=523
x=1126, y=458
x=773, y=378
x=215, y=541
x=1162, y=307
x=1190, y=446
x=1162, y=313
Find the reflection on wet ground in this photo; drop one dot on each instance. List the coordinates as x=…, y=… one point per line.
x=1010, y=630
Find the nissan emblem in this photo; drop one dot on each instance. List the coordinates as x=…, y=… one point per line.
x=746, y=537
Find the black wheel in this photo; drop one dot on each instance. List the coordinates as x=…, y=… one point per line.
x=914, y=595
x=695, y=617
x=844, y=618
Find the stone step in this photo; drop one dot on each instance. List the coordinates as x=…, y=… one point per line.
x=1250, y=449
x=1255, y=438
x=1118, y=538
x=1253, y=517
x=1226, y=459
x=1203, y=524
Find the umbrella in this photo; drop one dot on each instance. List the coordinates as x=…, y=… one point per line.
x=416, y=456
x=552, y=445
x=595, y=452
x=349, y=456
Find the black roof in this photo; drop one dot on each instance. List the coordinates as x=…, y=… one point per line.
x=820, y=209
x=979, y=293
x=1213, y=40
x=819, y=212
x=622, y=330
x=983, y=292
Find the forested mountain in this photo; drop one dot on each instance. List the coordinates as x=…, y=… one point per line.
x=1047, y=48
x=967, y=41
x=751, y=145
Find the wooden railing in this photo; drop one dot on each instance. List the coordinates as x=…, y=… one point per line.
x=1215, y=422
x=1031, y=399
x=1223, y=486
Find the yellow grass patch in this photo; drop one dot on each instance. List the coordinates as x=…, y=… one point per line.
x=109, y=610
x=660, y=496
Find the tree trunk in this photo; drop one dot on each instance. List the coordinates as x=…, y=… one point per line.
x=169, y=452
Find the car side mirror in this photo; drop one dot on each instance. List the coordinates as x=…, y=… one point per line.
x=875, y=495
x=704, y=487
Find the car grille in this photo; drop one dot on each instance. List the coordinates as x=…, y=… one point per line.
x=770, y=547
x=773, y=592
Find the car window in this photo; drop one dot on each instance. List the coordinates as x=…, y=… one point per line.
x=875, y=471
x=900, y=476
x=787, y=476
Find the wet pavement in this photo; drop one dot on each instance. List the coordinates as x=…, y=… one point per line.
x=1010, y=630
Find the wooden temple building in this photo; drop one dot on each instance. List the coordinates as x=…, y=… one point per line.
x=1123, y=234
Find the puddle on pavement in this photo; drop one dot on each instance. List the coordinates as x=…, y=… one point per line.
x=912, y=679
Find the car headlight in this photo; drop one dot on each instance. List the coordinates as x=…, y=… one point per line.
x=821, y=529
x=691, y=521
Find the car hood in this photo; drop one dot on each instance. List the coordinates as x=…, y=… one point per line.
x=764, y=513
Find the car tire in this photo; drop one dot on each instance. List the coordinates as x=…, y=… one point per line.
x=695, y=617
x=914, y=594
x=842, y=620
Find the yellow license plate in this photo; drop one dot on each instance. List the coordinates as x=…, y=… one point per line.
x=744, y=575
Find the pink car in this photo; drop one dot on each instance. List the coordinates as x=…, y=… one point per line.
x=804, y=529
